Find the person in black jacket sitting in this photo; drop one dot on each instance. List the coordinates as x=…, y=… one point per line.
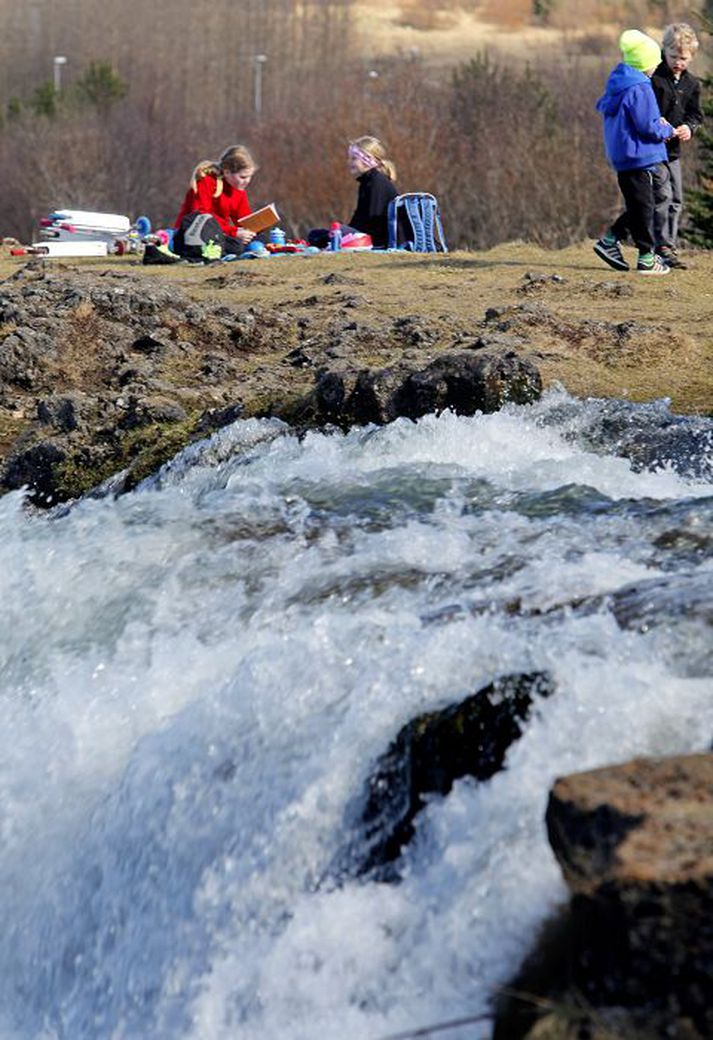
x=679, y=96
x=376, y=174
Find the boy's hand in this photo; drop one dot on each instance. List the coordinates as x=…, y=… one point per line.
x=245, y=236
x=683, y=132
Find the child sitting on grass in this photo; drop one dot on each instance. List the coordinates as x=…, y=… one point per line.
x=207, y=223
x=634, y=136
x=218, y=189
x=376, y=174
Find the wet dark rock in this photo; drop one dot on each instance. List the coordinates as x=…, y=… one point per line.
x=462, y=382
x=432, y=751
x=468, y=384
x=646, y=604
x=69, y=330
x=330, y=394
x=684, y=446
x=374, y=397
x=651, y=438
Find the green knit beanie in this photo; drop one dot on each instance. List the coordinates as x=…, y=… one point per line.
x=639, y=50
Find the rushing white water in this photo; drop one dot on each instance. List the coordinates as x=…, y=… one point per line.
x=198, y=677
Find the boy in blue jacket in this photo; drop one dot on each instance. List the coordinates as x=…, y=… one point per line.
x=634, y=139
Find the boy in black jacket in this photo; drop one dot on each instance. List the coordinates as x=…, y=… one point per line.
x=679, y=96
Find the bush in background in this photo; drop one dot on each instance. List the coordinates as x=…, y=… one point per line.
x=511, y=154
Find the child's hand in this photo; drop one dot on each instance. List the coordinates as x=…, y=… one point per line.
x=245, y=236
x=683, y=132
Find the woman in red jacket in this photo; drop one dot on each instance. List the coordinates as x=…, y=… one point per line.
x=217, y=189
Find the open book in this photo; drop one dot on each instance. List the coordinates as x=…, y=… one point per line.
x=261, y=219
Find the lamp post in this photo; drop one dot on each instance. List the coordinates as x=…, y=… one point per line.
x=57, y=62
x=259, y=60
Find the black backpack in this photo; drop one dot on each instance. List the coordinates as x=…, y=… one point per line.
x=196, y=231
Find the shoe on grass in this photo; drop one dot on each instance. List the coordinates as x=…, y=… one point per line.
x=652, y=264
x=610, y=253
x=670, y=257
x=159, y=255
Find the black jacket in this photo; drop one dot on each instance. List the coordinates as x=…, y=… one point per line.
x=679, y=102
x=375, y=193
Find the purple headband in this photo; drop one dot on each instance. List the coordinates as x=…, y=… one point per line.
x=358, y=153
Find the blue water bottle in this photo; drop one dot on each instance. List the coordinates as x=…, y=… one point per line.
x=335, y=236
x=277, y=236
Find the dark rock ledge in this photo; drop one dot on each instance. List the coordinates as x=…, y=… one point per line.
x=632, y=957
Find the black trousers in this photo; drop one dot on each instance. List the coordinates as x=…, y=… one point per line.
x=637, y=187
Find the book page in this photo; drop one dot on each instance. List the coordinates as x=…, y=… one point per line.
x=261, y=219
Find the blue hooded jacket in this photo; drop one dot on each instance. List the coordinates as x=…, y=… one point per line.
x=634, y=135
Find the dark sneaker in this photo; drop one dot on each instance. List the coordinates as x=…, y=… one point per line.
x=154, y=255
x=611, y=254
x=655, y=266
x=671, y=258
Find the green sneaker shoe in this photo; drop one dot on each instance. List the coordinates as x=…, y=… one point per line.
x=654, y=266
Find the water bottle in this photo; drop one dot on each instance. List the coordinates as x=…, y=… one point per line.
x=335, y=236
x=277, y=236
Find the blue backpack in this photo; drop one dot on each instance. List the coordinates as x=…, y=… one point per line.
x=414, y=222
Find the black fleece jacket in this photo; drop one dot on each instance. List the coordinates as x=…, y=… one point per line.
x=679, y=102
x=375, y=193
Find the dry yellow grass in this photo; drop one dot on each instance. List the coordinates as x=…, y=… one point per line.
x=444, y=34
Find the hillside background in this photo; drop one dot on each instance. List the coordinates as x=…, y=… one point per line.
x=487, y=104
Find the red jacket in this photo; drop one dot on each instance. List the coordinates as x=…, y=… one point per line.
x=231, y=204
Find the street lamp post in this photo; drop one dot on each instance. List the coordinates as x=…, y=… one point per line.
x=57, y=62
x=259, y=60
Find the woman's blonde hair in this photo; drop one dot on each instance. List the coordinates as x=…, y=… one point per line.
x=234, y=159
x=681, y=37
x=373, y=147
